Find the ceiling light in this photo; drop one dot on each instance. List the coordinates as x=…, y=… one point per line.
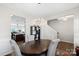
x=39, y=3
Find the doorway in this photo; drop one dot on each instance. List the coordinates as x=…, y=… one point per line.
x=18, y=28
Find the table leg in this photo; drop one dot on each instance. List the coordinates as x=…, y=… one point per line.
x=46, y=53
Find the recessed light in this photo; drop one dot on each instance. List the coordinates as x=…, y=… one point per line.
x=39, y=3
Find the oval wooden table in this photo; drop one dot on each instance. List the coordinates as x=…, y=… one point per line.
x=35, y=48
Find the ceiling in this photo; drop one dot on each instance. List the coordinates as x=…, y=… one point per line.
x=40, y=10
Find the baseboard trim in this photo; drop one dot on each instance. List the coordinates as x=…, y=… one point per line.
x=68, y=42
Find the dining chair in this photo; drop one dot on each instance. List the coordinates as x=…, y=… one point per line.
x=52, y=47
x=29, y=38
x=15, y=48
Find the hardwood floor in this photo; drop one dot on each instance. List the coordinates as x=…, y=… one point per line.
x=65, y=45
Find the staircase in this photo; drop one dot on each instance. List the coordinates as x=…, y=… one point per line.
x=48, y=32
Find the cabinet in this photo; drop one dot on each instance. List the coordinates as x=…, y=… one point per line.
x=18, y=37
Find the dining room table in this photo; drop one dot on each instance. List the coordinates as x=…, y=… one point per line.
x=35, y=48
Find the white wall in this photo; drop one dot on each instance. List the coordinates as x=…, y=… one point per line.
x=65, y=29
x=76, y=30
x=5, y=32
x=48, y=33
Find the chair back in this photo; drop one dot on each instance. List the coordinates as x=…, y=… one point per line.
x=52, y=47
x=15, y=47
x=29, y=38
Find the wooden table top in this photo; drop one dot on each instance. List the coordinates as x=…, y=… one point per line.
x=35, y=48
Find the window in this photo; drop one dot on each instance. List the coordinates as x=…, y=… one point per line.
x=17, y=24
